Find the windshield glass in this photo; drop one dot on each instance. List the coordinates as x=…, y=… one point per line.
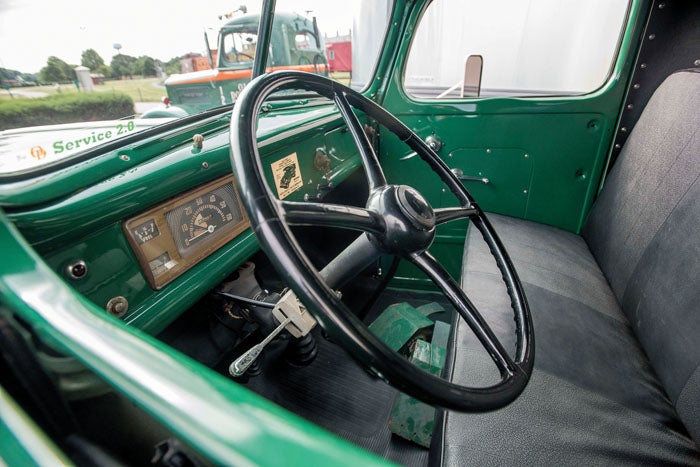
x=75, y=82
x=238, y=47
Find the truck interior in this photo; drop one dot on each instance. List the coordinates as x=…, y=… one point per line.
x=442, y=266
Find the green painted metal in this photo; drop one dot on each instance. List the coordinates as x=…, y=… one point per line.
x=410, y=418
x=22, y=442
x=79, y=227
x=232, y=426
x=567, y=140
x=398, y=324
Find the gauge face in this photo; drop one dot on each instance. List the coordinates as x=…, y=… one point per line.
x=161, y=264
x=199, y=220
x=146, y=231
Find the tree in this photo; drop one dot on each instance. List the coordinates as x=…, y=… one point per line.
x=91, y=59
x=172, y=66
x=56, y=71
x=122, y=65
x=105, y=70
x=145, y=66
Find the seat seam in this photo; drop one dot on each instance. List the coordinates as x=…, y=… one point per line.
x=670, y=211
x=685, y=385
x=622, y=318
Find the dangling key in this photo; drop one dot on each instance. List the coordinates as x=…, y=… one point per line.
x=242, y=363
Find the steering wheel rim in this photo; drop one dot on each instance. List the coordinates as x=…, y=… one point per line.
x=271, y=219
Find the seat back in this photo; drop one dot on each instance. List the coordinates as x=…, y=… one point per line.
x=644, y=231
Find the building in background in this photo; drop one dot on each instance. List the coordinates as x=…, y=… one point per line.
x=339, y=53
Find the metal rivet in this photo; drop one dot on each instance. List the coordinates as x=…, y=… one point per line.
x=623, y=129
x=117, y=306
x=527, y=155
x=636, y=86
x=124, y=157
x=524, y=192
x=630, y=106
x=205, y=165
x=643, y=65
x=488, y=150
x=444, y=190
x=652, y=37
x=617, y=146
x=77, y=269
x=696, y=62
x=662, y=6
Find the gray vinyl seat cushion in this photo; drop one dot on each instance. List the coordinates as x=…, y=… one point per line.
x=616, y=315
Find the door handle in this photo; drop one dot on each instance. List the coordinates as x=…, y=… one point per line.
x=459, y=173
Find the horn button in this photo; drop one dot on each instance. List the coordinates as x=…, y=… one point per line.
x=409, y=218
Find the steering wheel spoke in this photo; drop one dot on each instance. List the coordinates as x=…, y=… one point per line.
x=454, y=293
x=332, y=215
x=375, y=175
x=443, y=215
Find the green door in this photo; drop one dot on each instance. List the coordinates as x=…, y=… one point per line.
x=534, y=142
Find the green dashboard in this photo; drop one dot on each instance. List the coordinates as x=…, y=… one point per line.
x=161, y=223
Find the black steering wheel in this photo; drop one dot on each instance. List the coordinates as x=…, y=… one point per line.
x=396, y=220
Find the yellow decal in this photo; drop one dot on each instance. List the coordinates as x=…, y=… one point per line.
x=287, y=175
x=37, y=152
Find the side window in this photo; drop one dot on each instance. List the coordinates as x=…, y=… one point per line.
x=529, y=48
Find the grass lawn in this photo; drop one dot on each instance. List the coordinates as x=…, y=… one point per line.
x=140, y=89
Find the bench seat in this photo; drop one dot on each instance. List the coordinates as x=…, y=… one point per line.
x=616, y=314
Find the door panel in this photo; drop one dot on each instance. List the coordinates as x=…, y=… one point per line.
x=543, y=155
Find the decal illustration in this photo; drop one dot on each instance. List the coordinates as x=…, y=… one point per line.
x=287, y=175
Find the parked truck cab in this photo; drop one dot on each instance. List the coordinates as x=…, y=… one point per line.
x=295, y=43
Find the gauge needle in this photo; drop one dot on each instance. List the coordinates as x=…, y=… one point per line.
x=209, y=229
x=202, y=221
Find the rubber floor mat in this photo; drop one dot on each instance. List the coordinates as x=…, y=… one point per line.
x=337, y=394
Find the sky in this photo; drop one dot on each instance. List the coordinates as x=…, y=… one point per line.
x=33, y=30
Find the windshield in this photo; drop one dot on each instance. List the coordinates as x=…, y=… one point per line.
x=78, y=82
x=238, y=47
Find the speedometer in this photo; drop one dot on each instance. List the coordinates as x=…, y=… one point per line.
x=200, y=219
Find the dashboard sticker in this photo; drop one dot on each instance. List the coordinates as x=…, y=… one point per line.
x=287, y=175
